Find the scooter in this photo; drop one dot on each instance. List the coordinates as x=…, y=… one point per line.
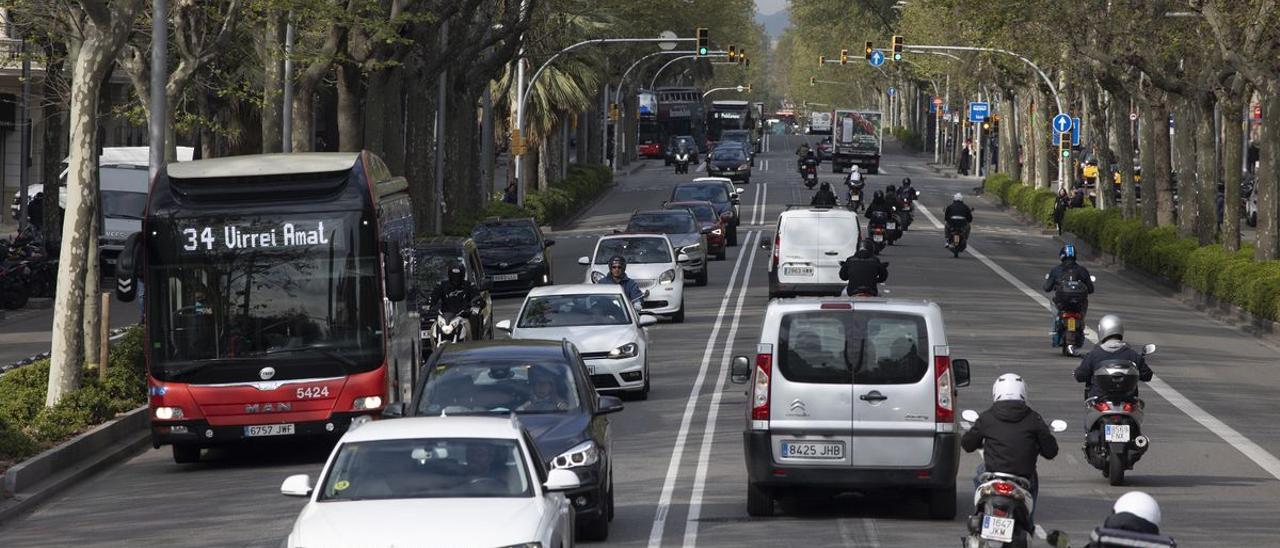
x=682, y=162
x=878, y=226
x=1114, y=441
x=893, y=227
x=448, y=327
x=855, y=195
x=809, y=171
x=1068, y=330
x=957, y=234
x=1003, y=505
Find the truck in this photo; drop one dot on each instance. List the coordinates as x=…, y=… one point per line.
x=819, y=123
x=857, y=137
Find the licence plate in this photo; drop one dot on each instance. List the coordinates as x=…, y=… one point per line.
x=425, y=334
x=1071, y=324
x=505, y=277
x=818, y=450
x=797, y=270
x=997, y=528
x=1116, y=432
x=892, y=226
x=268, y=430
x=857, y=198
x=878, y=238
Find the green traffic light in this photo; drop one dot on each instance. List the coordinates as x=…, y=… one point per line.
x=897, y=57
x=702, y=51
x=1066, y=154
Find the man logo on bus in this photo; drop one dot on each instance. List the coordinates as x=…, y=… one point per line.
x=266, y=373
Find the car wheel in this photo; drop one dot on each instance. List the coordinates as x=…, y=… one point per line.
x=942, y=503
x=701, y=278
x=721, y=255
x=733, y=236
x=595, y=530
x=186, y=453
x=678, y=317
x=759, y=501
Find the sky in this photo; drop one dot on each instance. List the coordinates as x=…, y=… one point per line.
x=770, y=6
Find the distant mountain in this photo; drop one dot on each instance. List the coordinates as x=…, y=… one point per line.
x=774, y=23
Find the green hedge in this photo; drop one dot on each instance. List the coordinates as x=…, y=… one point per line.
x=559, y=202
x=28, y=427
x=1235, y=278
x=909, y=138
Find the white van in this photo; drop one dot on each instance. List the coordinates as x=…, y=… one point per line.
x=808, y=246
x=851, y=395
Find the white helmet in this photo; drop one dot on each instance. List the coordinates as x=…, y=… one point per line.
x=1009, y=386
x=958, y=197
x=1139, y=504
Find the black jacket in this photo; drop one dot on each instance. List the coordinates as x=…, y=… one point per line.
x=1055, y=275
x=1130, y=522
x=863, y=274
x=879, y=205
x=823, y=197
x=1012, y=437
x=454, y=298
x=958, y=209
x=1108, y=350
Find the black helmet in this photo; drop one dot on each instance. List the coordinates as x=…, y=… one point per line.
x=824, y=186
x=618, y=260
x=906, y=182
x=456, y=275
x=1068, y=253
x=890, y=190
x=865, y=249
x=879, y=195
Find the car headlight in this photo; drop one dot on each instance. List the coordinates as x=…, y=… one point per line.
x=446, y=328
x=744, y=167
x=583, y=454
x=691, y=248
x=537, y=259
x=596, y=276
x=667, y=277
x=629, y=350
x=717, y=231
x=368, y=402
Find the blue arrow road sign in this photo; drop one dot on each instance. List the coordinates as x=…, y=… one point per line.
x=1061, y=124
x=877, y=58
x=978, y=112
x=1075, y=133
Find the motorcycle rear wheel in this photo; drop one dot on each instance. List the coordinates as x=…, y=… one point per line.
x=1115, y=470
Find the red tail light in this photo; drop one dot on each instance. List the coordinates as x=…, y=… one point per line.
x=1102, y=406
x=944, y=409
x=760, y=395
x=1003, y=487
x=1128, y=407
x=999, y=512
x=777, y=243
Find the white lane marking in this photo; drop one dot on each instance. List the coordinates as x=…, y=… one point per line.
x=873, y=534
x=682, y=435
x=709, y=431
x=845, y=537
x=1264, y=459
x=764, y=204
x=701, y=168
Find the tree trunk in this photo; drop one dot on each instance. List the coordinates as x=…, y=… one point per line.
x=270, y=47
x=384, y=117
x=1039, y=130
x=583, y=140
x=1122, y=130
x=1206, y=171
x=350, y=117
x=1008, y=137
x=92, y=302
x=1147, y=150
x=461, y=158
x=1030, y=148
x=419, y=166
x=1161, y=181
x=1184, y=141
x=1098, y=130
x=1268, y=176
x=1234, y=109
x=487, y=133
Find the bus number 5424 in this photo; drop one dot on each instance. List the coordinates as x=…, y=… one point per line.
x=312, y=392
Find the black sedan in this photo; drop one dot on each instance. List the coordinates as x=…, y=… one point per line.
x=731, y=160
x=546, y=385
x=722, y=195
x=514, y=254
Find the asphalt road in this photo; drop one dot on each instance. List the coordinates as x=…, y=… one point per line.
x=28, y=331
x=681, y=477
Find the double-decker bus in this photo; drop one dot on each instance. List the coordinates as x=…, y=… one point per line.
x=680, y=112
x=649, y=137
x=725, y=115
x=274, y=296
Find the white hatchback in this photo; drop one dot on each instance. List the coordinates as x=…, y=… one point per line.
x=808, y=246
x=650, y=262
x=608, y=332
x=457, y=481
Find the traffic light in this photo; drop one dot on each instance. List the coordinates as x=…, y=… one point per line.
x=844, y=57
x=869, y=49
x=704, y=41
x=733, y=54
x=822, y=60
x=743, y=59
x=1064, y=146
x=897, y=48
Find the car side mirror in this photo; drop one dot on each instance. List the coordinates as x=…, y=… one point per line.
x=548, y=243
x=298, y=485
x=609, y=404
x=1148, y=349
x=961, y=370
x=647, y=320
x=393, y=410
x=738, y=193
x=740, y=370
x=394, y=265
x=584, y=261
x=559, y=480
x=127, y=268
x=682, y=258
x=504, y=326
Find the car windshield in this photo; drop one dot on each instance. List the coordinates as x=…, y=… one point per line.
x=505, y=235
x=714, y=193
x=123, y=205
x=739, y=136
x=703, y=212
x=836, y=347
x=634, y=250
x=672, y=223
x=729, y=153
x=573, y=311
x=499, y=386
x=427, y=468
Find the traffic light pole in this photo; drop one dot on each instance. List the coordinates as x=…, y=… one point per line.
x=738, y=88
x=654, y=81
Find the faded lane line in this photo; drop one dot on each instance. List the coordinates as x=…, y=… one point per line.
x=1264, y=459
x=677, y=451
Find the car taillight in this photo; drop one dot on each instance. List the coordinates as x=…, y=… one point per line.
x=1128, y=407
x=1003, y=487
x=760, y=392
x=777, y=243
x=944, y=409
x=1102, y=406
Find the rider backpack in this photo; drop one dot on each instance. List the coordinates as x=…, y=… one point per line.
x=1072, y=286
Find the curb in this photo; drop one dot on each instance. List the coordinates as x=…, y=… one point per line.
x=39, y=478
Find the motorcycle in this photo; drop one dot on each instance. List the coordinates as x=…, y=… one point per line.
x=878, y=226
x=1108, y=538
x=957, y=234
x=893, y=227
x=855, y=194
x=1114, y=441
x=809, y=171
x=682, y=162
x=1068, y=330
x=1003, y=505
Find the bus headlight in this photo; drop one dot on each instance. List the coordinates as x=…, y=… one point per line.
x=168, y=413
x=365, y=403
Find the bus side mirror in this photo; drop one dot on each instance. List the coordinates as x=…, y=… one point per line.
x=127, y=268
x=395, y=272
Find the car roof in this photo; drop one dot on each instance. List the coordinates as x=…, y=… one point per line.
x=263, y=165
x=810, y=211
x=912, y=306
x=576, y=289
x=662, y=212
x=430, y=242
x=435, y=427
x=508, y=221
x=501, y=349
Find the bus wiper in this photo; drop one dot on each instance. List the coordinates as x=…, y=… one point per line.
x=318, y=350
x=195, y=368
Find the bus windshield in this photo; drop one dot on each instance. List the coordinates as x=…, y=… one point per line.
x=228, y=294
x=719, y=120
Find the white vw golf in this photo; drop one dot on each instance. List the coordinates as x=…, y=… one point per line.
x=599, y=321
x=455, y=481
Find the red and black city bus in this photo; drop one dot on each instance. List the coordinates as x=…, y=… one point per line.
x=274, y=289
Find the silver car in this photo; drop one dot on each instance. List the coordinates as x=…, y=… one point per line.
x=685, y=233
x=851, y=395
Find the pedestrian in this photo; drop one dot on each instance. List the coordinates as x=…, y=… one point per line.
x=511, y=194
x=965, y=159
x=1060, y=205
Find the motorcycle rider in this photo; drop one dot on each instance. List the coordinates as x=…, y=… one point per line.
x=863, y=271
x=1133, y=512
x=879, y=204
x=906, y=193
x=618, y=275
x=824, y=197
x=1011, y=434
x=802, y=152
x=1111, y=346
x=456, y=294
x=957, y=208
x=1066, y=280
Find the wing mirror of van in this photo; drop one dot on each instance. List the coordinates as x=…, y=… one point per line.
x=960, y=368
x=740, y=370
x=126, y=268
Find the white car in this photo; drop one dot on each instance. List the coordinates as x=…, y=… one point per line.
x=443, y=481
x=650, y=262
x=808, y=246
x=608, y=332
